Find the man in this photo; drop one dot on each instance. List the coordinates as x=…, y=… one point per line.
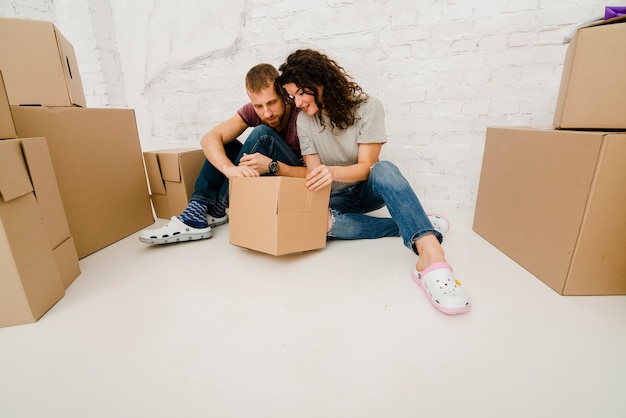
x=272, y=148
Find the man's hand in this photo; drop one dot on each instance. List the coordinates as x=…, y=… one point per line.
x=257, y=162
x=240, y=171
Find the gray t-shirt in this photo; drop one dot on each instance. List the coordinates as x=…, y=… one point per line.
x=340, y=147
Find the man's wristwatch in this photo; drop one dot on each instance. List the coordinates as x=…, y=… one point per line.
x=273, y=167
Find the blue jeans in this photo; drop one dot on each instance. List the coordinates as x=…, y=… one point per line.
x=212, y=185
x=385, y=186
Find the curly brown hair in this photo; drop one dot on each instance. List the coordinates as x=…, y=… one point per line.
x=309, y=69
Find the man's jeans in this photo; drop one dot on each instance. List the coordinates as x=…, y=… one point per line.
x=212, y=185
x=385, y=186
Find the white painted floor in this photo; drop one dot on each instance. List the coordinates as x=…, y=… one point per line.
x=206, y=329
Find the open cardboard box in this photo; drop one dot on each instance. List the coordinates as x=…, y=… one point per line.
x=553, y=201
x=277, y=215
x=172, y=175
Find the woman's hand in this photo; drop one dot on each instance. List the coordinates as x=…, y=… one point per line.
x=318, y=178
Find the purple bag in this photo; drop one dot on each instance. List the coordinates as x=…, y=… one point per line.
x=613, y=11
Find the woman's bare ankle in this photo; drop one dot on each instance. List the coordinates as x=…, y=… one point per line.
x=430, y=252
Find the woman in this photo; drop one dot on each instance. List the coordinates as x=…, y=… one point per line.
x=341, y=131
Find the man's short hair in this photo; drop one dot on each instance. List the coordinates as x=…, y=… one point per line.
x=260, y=76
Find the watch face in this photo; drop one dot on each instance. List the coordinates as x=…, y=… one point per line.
x=273, y=167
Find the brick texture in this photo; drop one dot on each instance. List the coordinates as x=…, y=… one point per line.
x=445, y=70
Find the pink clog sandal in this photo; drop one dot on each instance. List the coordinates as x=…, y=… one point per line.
x=443, y=290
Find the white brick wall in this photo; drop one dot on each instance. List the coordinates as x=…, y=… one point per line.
x=41, y=9
x=445, y=70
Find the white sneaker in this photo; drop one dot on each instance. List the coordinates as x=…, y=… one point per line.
x=440, y=223
x=217, y=221
x=174, y=231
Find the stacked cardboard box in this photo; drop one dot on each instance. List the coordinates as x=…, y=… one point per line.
x=592, y=94
x=96, y=153
x=37, y=252
x=553, y=199
x=72, y=178
x=39, y=64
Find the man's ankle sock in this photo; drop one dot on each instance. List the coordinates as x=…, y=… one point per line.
x=195, y=215
x=218, y=210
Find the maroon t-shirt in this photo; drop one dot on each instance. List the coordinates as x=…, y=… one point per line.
x=289, y=133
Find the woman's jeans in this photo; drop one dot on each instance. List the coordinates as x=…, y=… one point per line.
x=212, y=185
x=385, y=186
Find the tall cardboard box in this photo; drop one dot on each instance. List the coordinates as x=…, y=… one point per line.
x=43, y=178
x=554, y=202
x=592, y=94
x=39, y=64
x=30, y=279
x=172, y=175
x=99, y=167
x=277, y=215
x=7, y=128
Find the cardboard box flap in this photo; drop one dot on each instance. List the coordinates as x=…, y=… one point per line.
x=70, y=69
x=46, y=188
x=14, y=178
x=67, y=261
x=7, y=128
x=170, y=171
x=170, y=161
x=157, y=186
x=173, y=165
x=191, y=163
x=304, y=201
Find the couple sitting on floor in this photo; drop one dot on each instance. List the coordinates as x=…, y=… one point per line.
x=312, y=120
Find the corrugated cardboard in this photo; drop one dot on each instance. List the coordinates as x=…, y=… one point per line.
x=66, y=257
x=554, y=202
x=172, y=175
x=98, y=162
x=43, y=179
x=7, y=128
x=592, y=94
x=277, y=215
x=39, y=64
x=30, y=278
